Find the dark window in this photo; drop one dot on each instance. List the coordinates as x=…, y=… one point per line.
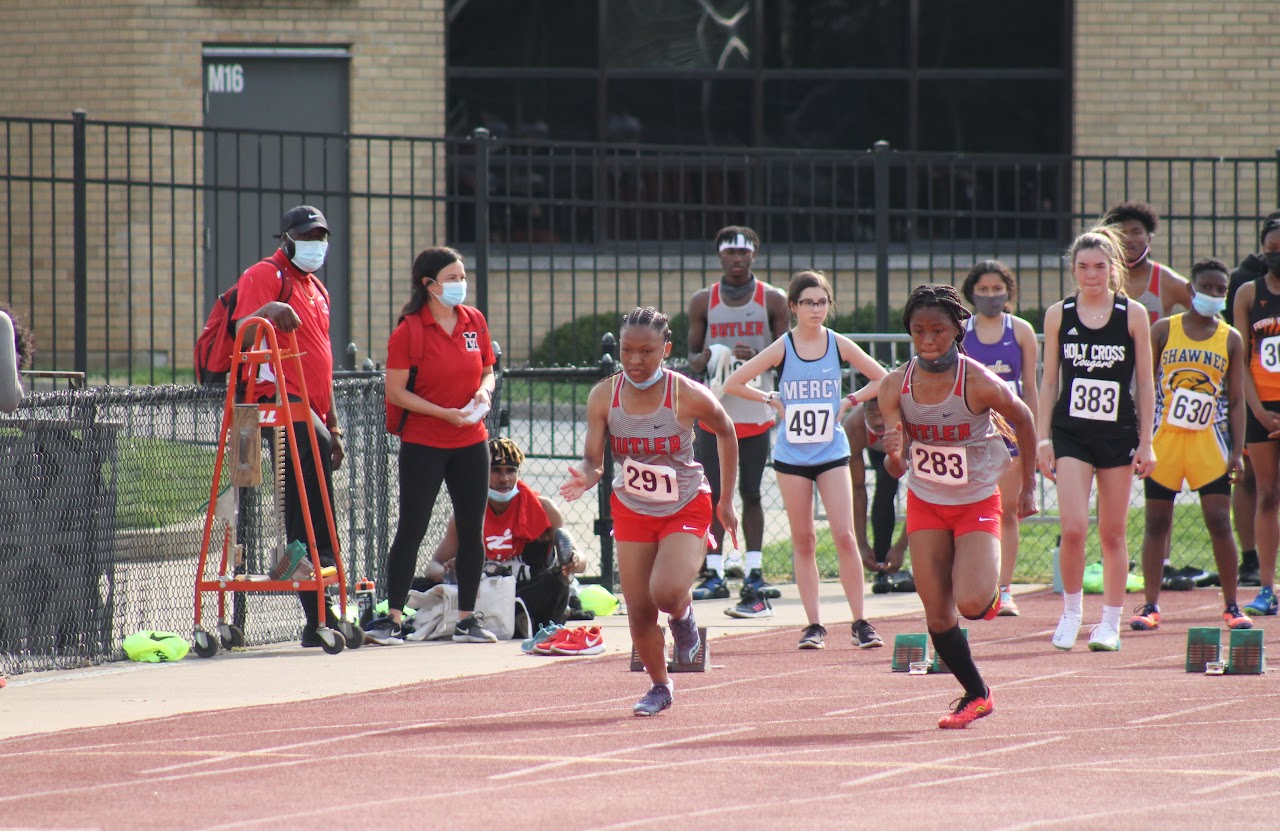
x=824, y=34
x=709, y=112
x=522, y=33
x=835, y=114
x=992, y=116
x=551, y=108
x=991, y=33
x=679, y=34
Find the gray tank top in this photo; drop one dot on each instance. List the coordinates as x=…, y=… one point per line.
x=653, y=455
x=955, y=457
x=749, y=323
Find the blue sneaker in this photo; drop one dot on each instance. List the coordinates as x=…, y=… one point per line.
x=755, y=582
x=542, y=635
x=655, y=701
x=712, y=588
x=684, y=632
x=1264, y=604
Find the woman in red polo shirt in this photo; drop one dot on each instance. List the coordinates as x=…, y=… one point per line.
x=444, y=437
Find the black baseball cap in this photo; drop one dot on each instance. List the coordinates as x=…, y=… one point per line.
x=302, y=219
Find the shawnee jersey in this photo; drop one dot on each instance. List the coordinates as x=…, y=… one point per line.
x=954, y=457
x=1264, y=341
x=1096, y=373
x=749, y=323
x=653, y=453
x=1192, y=437
x=811, y=396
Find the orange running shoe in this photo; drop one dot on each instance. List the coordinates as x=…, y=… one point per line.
x=966, y=710
x=1146, y=618
x=547, y=646
x=582, y=641
x=1235, y=619
x=994, y=608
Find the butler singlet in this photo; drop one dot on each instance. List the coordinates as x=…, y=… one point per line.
x=653, y=454
x=747, y=324
x=954, y=457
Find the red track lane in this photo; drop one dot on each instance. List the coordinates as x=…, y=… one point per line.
x=771, y=738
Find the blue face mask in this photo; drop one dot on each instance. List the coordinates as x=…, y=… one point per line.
x=1208, y=306
x=452, y=294
x=504, y=496
x=644, y=385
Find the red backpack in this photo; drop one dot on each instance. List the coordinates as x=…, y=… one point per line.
x=397, y=415
x=214, y=345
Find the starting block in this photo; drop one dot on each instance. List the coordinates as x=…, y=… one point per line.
x=700, y=662
x=1246, y=654
x=909, y=650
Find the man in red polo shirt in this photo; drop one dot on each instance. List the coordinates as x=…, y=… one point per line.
x=284, y=289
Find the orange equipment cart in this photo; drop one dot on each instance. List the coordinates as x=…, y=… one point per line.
x=241, y=422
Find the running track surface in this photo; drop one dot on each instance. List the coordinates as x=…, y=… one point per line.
x=771, y=738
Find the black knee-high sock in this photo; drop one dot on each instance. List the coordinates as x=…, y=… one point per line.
x=953, y=648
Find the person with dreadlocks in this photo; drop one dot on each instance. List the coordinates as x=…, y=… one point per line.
x=812, y=450
x=950, y=417
x=1097, y=415
x=661, y=499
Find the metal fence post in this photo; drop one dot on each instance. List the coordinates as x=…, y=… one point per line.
x=604, y=525
x=482, y=141
x=80, y=231
x=880, y=158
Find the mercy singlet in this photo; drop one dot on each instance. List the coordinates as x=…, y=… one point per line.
x=1004, y=357
x=811, y=396
x=653, y=454
x=749, y=323
x=954, y=457
x=1096, y=372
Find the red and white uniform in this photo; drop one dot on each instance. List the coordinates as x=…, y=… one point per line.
x=524, y=520
x=748, y=324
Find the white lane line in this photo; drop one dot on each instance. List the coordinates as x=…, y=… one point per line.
x=1215, y=705
x=618, y=752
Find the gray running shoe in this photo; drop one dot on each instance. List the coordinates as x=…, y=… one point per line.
x=864, y=635
x=655, y=700
x=471, y=630
x=814, y=637
x=685, y=633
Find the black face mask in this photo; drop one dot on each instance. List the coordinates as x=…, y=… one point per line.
x=1273, y=261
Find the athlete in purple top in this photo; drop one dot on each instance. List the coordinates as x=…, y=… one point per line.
x=1006, y=345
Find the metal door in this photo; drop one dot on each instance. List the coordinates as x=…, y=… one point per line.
x=276, y=121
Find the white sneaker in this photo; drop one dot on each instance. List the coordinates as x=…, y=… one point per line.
x=1105, y=638
x=1064, y=637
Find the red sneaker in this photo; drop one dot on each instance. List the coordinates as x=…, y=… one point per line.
x=561, y=635
x=1146, y=618
x=966, y=710
x=1235, y=619
x=994, y=608
x=581, y=642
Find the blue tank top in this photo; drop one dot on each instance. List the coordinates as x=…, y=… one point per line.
x=811, y=393
x=1004, y=357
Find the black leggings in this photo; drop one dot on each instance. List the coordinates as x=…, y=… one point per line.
x=465, y=470
x=884, y=511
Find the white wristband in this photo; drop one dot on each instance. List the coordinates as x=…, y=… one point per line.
x=1043, y=443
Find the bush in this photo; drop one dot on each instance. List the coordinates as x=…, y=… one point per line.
x=577, y=343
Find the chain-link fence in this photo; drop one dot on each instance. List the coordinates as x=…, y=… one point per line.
x=103, y=494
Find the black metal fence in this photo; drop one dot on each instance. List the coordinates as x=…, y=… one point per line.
x=107, y=229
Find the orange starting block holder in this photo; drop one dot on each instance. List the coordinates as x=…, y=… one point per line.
x=246, y=417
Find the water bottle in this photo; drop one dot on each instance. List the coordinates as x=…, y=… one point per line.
x=366, y=599
x=1057, y=568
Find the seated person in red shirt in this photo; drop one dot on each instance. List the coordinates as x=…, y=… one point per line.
x=521, y=527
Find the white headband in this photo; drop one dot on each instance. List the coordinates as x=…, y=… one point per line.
x=739, y=241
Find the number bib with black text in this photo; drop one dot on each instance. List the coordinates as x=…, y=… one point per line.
x=1269, y=353
x=941, y=464
x=1191, y=410
x=810, y=423
x=652, y=483
x=1094, y=400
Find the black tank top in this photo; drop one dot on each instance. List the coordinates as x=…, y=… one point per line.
x=1096, y=372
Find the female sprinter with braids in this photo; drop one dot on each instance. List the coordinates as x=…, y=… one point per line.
x=1097, y=348
x=950, y=417
x=661, y=500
